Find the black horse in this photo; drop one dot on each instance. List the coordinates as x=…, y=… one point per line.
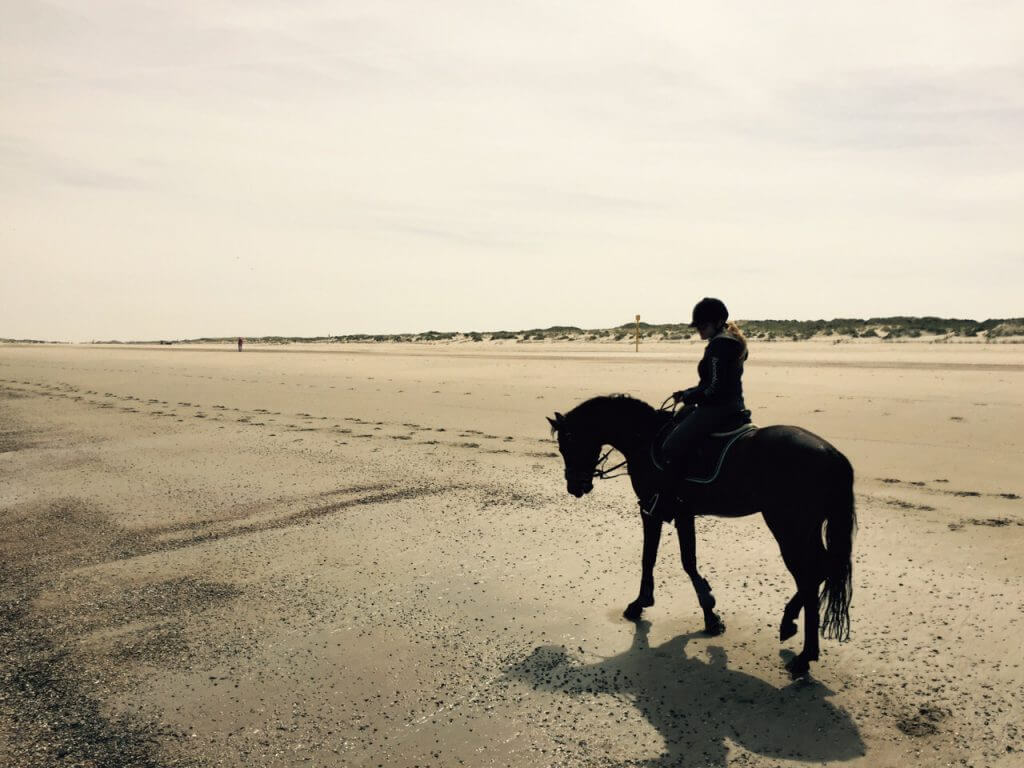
x=796, y=480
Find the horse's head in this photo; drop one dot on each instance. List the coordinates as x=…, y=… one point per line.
x=580, y=450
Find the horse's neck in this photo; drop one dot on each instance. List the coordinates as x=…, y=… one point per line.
x=629, y=433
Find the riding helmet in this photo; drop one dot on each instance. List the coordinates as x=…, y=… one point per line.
x=709, y=311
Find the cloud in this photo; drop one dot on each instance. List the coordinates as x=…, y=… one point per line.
x=887, y=109
x=33, y=163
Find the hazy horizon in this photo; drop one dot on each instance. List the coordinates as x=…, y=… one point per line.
x=485, y=331
x=300, y=170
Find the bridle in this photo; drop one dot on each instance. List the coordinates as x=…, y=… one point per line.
x=600, y=471
x=605, y=473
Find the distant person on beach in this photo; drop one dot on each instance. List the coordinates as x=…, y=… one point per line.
x=239, y=343
x=718, y=399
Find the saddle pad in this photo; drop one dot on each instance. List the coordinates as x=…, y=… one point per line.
x=710, y=461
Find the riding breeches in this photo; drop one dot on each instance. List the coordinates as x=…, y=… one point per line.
x=682, y=440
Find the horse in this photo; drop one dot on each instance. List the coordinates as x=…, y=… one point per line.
x=797, y=481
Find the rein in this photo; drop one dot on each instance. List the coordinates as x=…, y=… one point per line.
x=605, y=473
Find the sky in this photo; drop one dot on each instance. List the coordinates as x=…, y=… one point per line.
x=214, y=168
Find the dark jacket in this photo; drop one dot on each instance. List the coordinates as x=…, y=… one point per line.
x=721, y=373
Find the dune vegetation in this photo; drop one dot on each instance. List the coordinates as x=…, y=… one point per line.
x=899, y=328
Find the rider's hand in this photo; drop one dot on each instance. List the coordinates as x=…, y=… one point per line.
x=685, y=395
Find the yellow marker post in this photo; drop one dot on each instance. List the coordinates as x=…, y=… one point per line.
x=638, y=333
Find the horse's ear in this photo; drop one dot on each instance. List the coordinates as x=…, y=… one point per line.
x=557, y=421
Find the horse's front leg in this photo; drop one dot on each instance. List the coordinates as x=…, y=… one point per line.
x=713, y=624
x=652, y=537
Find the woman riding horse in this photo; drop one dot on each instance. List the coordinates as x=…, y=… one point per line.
x=718, y=399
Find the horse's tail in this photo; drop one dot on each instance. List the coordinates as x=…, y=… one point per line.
x=841, y=522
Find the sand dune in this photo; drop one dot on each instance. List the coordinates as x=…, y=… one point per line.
x=365, y=555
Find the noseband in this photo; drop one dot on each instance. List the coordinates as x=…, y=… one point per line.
x=599, y=470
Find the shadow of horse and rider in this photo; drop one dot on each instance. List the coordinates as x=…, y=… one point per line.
x=697, y=706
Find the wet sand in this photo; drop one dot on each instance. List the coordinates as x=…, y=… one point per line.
x=365, y=555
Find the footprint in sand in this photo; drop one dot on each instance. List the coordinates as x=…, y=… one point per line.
x=988, y=522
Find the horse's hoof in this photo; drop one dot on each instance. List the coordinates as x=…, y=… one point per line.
x=636, y=608
x=798, y=666
x=633, y=612
x=786, y=631
x=714, y=626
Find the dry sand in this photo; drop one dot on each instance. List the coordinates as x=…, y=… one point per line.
x=365, y=556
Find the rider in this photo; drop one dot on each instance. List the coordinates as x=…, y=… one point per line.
x=718, y=399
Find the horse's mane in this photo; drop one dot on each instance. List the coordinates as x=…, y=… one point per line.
x=607, y=407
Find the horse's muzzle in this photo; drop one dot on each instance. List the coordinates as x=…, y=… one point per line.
x=579, y=487
x=579, y=482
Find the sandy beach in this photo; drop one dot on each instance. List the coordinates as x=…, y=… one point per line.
x=364, y=555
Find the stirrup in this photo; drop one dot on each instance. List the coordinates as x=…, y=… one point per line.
x=650, y=509
x=651, y=505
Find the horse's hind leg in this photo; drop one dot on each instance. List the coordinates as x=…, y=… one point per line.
x=789, y=615
x=804, y=556
x=804, y=562
x=807, y=586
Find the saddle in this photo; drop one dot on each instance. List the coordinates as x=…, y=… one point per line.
x=704, y=464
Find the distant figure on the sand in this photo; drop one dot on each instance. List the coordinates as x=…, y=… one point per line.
x=718, y=398
x=239, y=343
